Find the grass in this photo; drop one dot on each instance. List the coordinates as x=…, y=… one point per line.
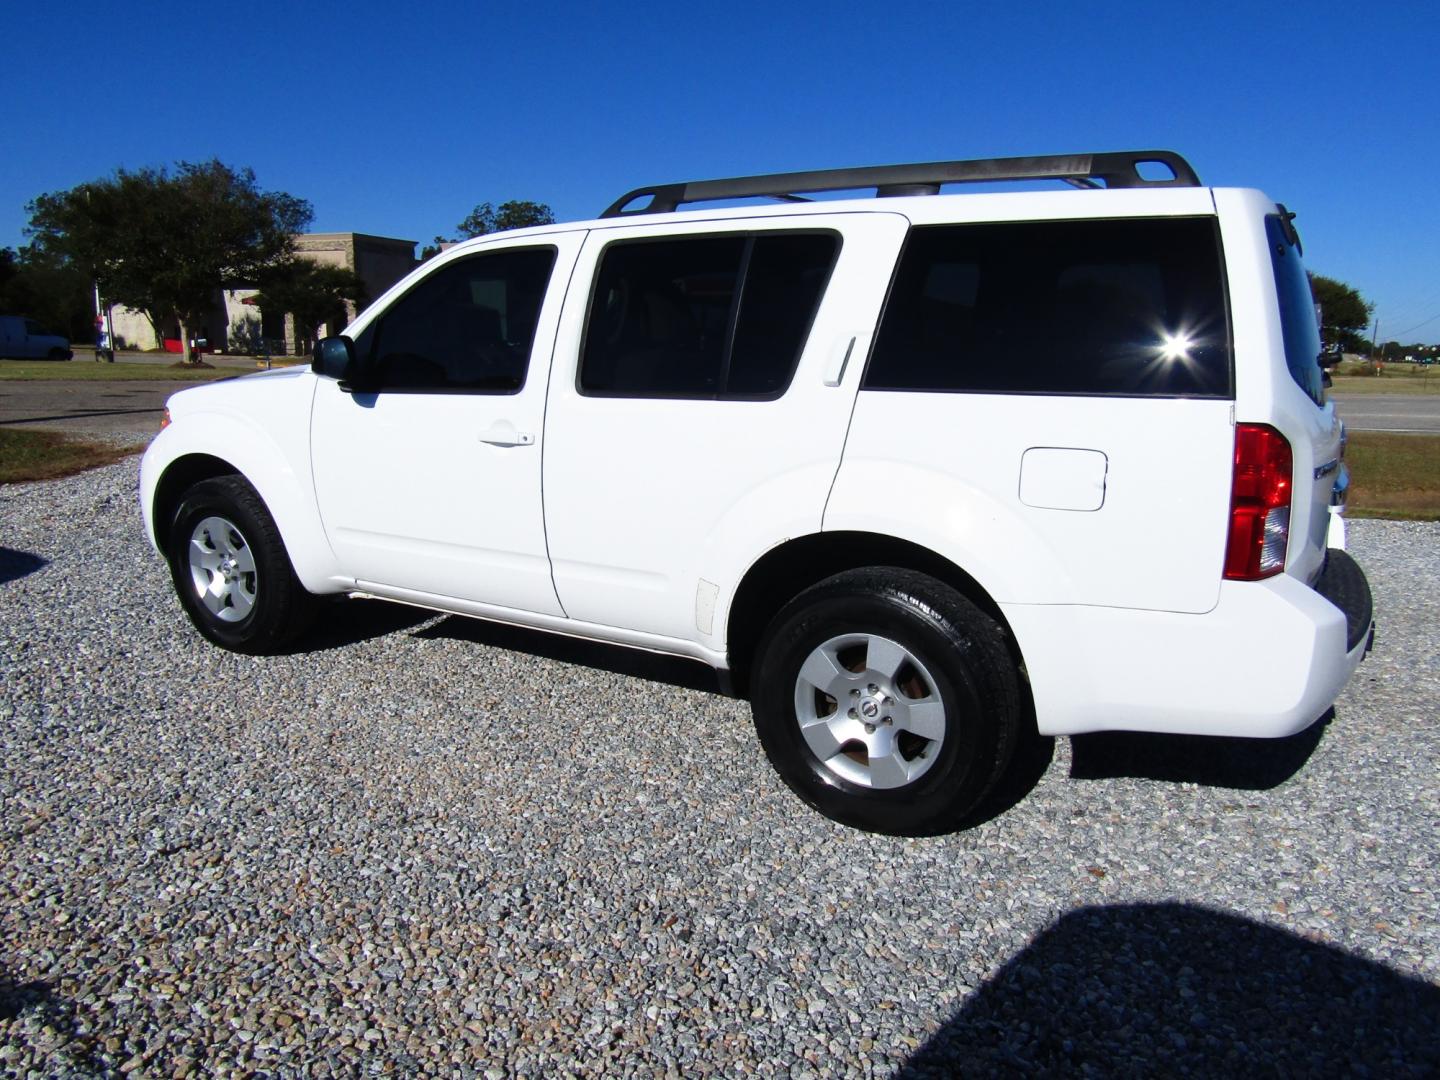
x=1353, y=378
x=72, y=371
x=1394, y=476
x=26, y=454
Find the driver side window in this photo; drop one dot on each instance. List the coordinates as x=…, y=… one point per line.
x=466, y=328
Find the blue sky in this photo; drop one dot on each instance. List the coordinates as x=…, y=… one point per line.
x=398, y=119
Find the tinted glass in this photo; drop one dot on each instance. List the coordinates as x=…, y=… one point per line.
x=666, y=320
x=1297, y=310
x=1126, y=307
x=659, y=317
x=783, y=285
x=466, y=327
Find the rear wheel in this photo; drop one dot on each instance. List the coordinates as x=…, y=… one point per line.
x=887, y=701
x=231, y=570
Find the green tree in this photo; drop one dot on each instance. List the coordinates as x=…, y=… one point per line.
x=49, y=290
x=515, y=214
x=311, y=292
x=9, y=267
x=430, y=250
x=488, y=218
x=164, y=242
x=1344, y=314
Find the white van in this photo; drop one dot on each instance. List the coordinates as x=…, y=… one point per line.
x=25, y=339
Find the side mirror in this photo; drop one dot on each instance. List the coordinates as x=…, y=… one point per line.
x=335, y=359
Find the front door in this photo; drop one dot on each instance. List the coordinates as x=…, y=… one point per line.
x=429, y=483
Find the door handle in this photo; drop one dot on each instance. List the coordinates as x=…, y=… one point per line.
x=503, y=433
x=840, y=358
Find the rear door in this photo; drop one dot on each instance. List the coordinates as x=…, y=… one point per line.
x=703, y=388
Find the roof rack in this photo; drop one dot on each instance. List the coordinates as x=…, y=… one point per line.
x=1117, y=170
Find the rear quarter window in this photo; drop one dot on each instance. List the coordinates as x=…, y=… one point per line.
x=1125, y=307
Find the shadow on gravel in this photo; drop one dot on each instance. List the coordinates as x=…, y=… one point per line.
x=15, y=998
x=637, y=663
x=1211, y=760
x=17, y=564
x=349, y=622
x=34, y=1012
x=1173, y=989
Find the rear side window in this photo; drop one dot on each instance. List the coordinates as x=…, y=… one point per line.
x=704, y=317
x=1126, y=307
x=466, y=328
x=1298, y=320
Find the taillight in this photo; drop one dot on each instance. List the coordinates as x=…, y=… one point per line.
x=165, y=419
x=1259, y=504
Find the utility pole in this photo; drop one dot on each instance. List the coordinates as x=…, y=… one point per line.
x=104, y=312
x=99, y=321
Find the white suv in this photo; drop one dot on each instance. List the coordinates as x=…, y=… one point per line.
x=905, y=470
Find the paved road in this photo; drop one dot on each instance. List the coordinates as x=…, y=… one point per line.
x=1390, y=412
x=106, y=408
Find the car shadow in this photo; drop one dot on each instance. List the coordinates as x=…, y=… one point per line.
x=1182, y=990
x=1211, y=760
x=617, y=659
x=17, y=564
x=65, y=1041
x=344, y=622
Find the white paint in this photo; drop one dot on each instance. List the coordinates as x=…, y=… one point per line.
x=1060, y=478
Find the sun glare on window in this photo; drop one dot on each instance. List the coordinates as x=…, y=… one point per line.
x=1175, y=346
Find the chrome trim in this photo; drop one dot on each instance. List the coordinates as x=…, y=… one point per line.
x=1340, y=492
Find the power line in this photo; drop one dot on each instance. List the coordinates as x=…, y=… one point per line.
x=1417, y=326
x=1408, y=311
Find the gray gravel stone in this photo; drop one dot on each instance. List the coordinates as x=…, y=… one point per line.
x=409, y=849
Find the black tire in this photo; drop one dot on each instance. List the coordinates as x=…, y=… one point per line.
x=954, y=656
x=60, y=354
x=251, y=602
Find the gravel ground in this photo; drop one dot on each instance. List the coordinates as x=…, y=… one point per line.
x=412, y=850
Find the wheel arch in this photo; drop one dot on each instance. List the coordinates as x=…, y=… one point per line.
x=205, y=446
x=181, y=474
x=785, y=571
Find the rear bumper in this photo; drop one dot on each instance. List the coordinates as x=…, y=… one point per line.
x=1266, y=662
x=1344, y=584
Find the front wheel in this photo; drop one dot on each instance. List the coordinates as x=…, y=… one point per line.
x=887, y=701
x=231, y=570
